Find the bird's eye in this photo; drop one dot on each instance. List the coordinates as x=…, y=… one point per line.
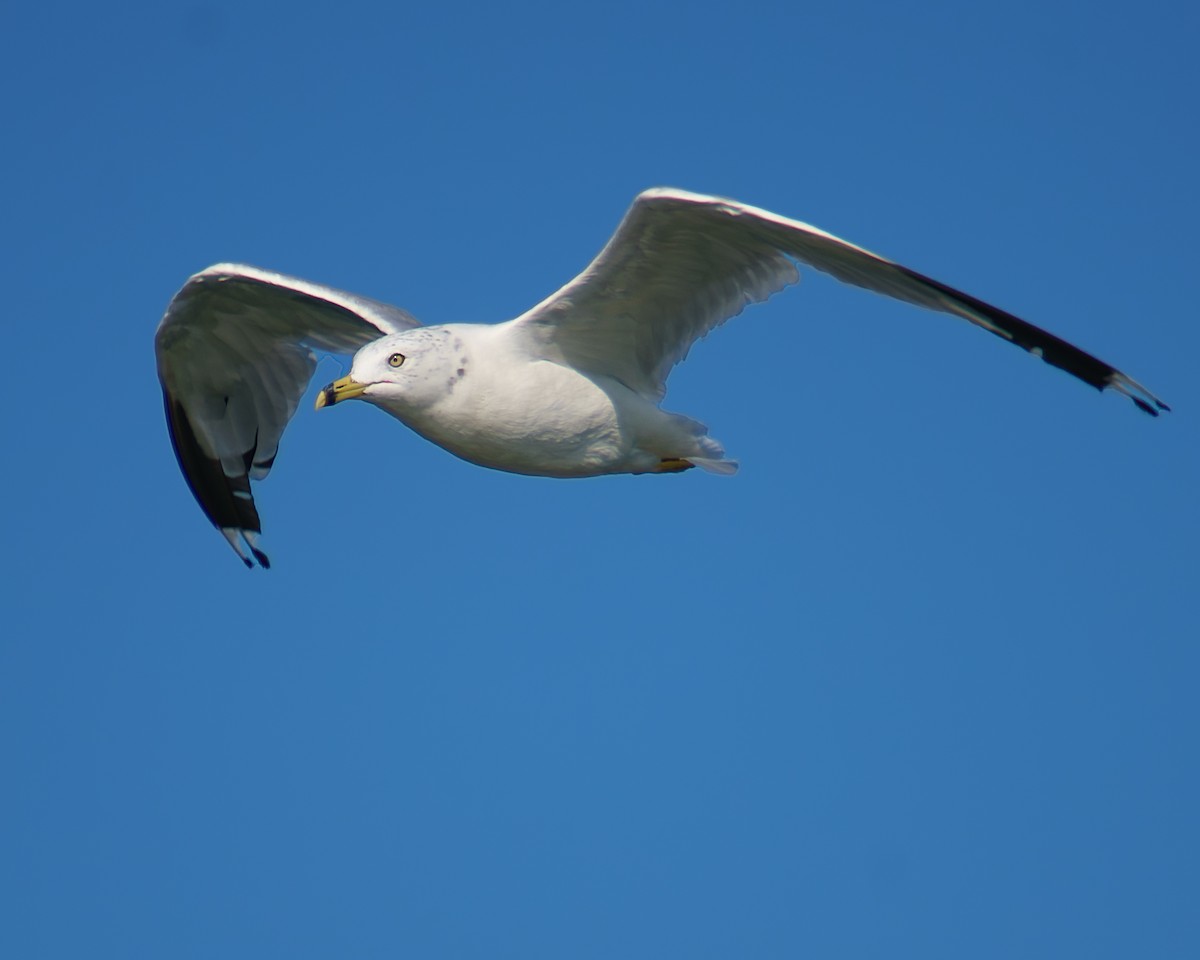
x=395, y=359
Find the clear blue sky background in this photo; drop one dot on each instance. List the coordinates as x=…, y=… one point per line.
x=919, y=682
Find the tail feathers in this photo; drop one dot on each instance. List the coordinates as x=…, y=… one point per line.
x=711, y=453
x=724, y=468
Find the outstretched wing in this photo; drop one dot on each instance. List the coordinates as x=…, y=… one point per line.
x=681, y=264
x=235, y=354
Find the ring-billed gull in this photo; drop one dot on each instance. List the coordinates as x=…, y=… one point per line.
x=571, y=388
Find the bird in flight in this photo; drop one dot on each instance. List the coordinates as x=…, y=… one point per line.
x=571, y=388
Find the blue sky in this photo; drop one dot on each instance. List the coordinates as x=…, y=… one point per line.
x=919, y=681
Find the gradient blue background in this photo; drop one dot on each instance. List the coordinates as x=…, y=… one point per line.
x=920, y=681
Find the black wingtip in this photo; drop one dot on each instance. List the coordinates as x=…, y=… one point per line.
x=1041, y=343
x=225, y=500
x=1142, y=398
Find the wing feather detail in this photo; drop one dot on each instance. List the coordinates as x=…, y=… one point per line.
x=235, y=353
x=681, y=264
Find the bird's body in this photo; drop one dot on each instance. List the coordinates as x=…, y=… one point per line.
x=494, y=404
x=571, y=388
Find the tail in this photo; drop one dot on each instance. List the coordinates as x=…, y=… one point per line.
x=709, y=454
x=724, y=468
x=712, y=456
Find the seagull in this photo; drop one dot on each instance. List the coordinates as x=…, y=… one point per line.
x=570, y=388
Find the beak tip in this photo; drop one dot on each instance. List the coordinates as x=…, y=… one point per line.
x=345, y=389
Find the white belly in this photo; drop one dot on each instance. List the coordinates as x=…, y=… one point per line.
x=550, y=421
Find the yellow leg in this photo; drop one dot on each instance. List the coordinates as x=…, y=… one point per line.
x=673, y=465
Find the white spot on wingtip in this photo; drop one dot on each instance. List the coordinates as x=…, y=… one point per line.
x=233, y=536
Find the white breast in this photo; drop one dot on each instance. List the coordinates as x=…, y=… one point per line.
x=512, y=413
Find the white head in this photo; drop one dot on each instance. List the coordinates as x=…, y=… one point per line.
x=402, y=371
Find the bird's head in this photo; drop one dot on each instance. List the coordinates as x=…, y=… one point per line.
x=407, y=370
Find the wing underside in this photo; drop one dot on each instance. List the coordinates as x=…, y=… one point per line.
x=236, y=351
x=681, y=264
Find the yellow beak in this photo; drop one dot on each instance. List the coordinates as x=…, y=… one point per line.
x=344, y=389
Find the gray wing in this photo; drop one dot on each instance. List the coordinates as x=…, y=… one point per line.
x=681, y=264
x=235, y=354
